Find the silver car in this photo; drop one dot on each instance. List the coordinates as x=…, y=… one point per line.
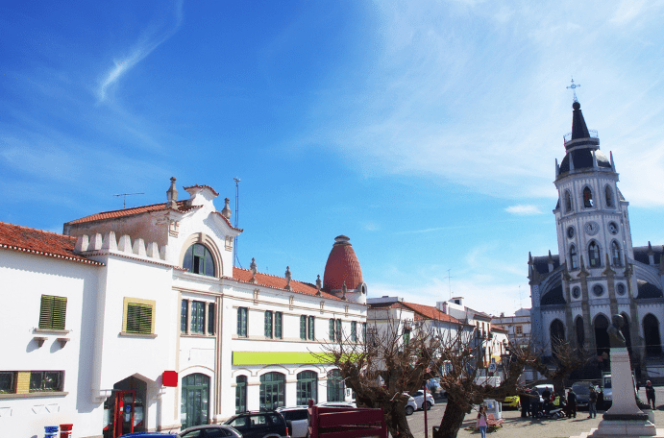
x=210, y=431
x=299, y=420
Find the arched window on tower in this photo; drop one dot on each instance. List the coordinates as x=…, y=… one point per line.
x=609, y=196
x=593, y=255
x=198, y=259
x=573, y=257
x=588, y=198
x=568, y=202
x=615, y=253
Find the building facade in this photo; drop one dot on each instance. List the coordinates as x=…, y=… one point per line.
x=137, y=319
x=597, y=272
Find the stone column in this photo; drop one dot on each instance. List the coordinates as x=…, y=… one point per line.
x=610, y=281
x=589, y=333
x=569, y=322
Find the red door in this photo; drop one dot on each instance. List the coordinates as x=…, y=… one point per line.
x=123, y=415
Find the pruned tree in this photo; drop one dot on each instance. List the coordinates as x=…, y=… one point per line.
x=384, y=367
x=564, y=360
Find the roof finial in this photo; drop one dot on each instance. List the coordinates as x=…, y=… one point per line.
x=227, y=209
x=319, y=284
x=253, y=269
x=172, y=195
x=288, y=278
x=573, y=87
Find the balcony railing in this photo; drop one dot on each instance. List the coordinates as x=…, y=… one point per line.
x=593, y=134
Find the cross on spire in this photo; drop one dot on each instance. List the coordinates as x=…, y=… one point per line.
x=573, y=87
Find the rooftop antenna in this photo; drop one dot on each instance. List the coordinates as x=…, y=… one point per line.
x=573, y=87
x=124, y=196
x=236, y=259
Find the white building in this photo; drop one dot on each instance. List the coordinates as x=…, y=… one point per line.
x=597, y=272
x=517, y=326
x=140, y=312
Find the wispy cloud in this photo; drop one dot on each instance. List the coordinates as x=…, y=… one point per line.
x=154, y=36
x=523, y=210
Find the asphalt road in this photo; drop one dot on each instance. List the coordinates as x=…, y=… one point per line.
x=516, y=427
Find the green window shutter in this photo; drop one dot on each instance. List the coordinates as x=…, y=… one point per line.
x=277, y=325
x=312, y=331
x=303, y=327
x=53, y=312
x=242, y=322
x=139, y=318
x=211, y=314
x=268, y=324
x=184, y=314
x=353, y=331
x=332, y=337
x=338, y=330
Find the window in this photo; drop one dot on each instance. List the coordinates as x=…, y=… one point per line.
x=353, y=331
x=278, y=325
x=211, y=313
x=406, y=335
x=272, y=391
x=568, y=202
x=307, y=387
x=268, y=324
x=335, y=386
x=573, y=257
x=598, y=290
x=311, y=330
x=303, y=327
x=52, y=313
x=609, y=196
x=242, y=322
x=184, y=316
x=593, y=255
x=588, y=198
x=7, y=382
x=197, y=317
x=42, y=381
x=138, y=316
x=198, y=259
x=615, y=253
x=240, y=394
x=518, y=330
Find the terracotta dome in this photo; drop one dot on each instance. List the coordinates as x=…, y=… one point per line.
x=342, y=266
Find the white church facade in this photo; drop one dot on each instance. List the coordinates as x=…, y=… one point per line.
x=597, y=272
x=137, y=320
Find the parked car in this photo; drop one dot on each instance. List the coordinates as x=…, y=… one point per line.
x=338, y=405
x=419, y=400
x=411, y=406
x=259, y=424
x=582, y=390
x=210, y=431
x=512, y=402
x=150, y=435
x=541, y=388
x=298, y=417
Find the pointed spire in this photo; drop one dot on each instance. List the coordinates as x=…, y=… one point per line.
x=579, y=128
x=172, y=195
x=613, y=165
x=530, y=258
x=608, y=271
x=557, y=168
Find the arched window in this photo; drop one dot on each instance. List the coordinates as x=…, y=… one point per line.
x=272, y=391
x=307, y=387
x=593, y=255
x=557, y=334
x=573, y=257
x=568, y=202
x=335, y=386
x=609, y=196
x=198, y=259
x=588, y=198
x=615, y=253
x=651, y=335
x=601, y=336
x=240, y=394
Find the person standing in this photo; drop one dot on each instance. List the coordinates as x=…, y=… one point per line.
x=482, y=421
x=571, y=404
x=592, y=403
x=650, y=393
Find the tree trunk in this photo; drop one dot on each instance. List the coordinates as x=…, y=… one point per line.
x=396, y=421
x=452, y=421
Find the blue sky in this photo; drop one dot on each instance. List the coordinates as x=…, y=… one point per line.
x=426, y=131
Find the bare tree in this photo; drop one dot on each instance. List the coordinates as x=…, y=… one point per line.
x=564, y=360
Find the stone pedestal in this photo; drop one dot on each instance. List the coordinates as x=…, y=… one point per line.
x=624, y=419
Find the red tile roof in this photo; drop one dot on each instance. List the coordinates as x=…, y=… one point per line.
x=124, y=212
x=44, y=243
x=244, y=275
x=342, y=266
x=429, y=312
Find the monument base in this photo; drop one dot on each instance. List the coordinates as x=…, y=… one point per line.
x=659, y=433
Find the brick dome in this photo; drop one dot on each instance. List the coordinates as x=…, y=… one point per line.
x=342, y=266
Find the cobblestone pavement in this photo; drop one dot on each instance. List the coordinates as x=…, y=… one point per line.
x=516, y=427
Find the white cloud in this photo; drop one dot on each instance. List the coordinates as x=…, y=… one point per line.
x=154, y=36
x=523, y=210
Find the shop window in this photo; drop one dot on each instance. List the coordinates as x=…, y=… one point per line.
x=272, y=391
x=335, y=386
x=307, y=387
x=240, y=394
x=52, y=313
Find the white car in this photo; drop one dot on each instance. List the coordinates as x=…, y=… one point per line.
x=299, y=420
x=411, y=406
x=419, y=400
